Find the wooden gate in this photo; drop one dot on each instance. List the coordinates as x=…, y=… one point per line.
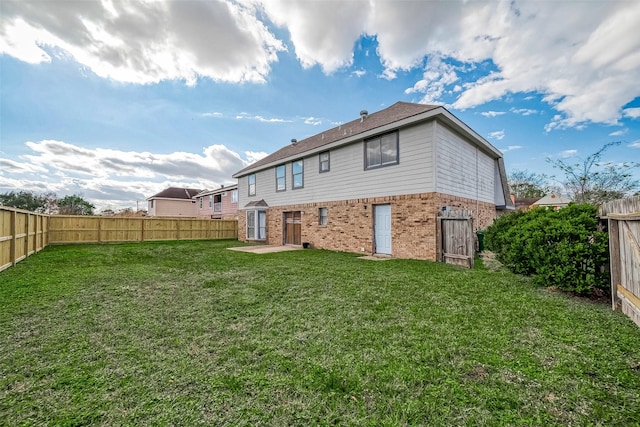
x=624, y=250
x=456, y=237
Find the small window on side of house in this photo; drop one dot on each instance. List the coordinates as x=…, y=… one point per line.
x=234, y=196
x=252, y=184
x=324, y=161
x=281, y=181
x=322, y=216
x=297, y=171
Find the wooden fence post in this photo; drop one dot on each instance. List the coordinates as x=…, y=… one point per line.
x=14, y=237
x=614, y=259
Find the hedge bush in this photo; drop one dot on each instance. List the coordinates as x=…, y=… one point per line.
x=560, y=248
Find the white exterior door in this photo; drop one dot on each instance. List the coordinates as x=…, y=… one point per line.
x=382, y=229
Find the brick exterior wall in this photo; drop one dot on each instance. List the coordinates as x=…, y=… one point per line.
x=350, y=223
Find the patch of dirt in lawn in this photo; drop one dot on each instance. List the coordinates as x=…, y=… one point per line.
x=490, y=262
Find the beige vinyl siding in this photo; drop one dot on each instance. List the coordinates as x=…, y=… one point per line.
x=347, y=178
x=462, y=168
x=166, y=207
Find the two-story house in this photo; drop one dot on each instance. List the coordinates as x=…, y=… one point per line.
x=221, y=203
x=373, y=185
x=173, y=202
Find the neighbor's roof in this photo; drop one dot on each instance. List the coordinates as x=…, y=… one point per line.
x=552, y=200
x=222, y=189
x=176, y=193
x=395, y=113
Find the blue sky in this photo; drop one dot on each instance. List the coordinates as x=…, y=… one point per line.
x=116, y=101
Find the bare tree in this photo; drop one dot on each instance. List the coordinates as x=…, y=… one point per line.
x=593, y=181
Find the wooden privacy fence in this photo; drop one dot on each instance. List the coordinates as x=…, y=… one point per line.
x=98, y=229
x=624, y=248
x=22, y=233
x=455, y=230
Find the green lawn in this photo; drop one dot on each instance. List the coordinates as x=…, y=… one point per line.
x=189, y=333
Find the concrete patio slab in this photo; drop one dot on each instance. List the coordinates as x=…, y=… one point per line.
x=265, y=249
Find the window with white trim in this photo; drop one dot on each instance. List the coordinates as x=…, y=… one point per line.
x=234, y=196
x=381, y=151
x=281, y=181
x=324, y=161
x=256, y=224
x=252, y=184
x=297, y=171
x=322, y=216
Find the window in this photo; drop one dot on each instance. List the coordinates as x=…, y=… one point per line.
x=281, y=183
x=210, y=202
x=234, y=196
x=324, y=162
x=252, y=184
x=297, y=170
x=322, y=216
x=381, y=151
x=201, y=202
x=151, y=204
x=251, y=224
x=256, y=225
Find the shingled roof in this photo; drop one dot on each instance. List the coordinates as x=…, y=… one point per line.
x=176, y=193
x=394, y=113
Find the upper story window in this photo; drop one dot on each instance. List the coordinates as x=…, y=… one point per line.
x=281, y=182
x=381, y=151
x=324, y=161
x=234, y=196
x=200, y=202
x=252, y=184
x=297, y=170
x=210, y=201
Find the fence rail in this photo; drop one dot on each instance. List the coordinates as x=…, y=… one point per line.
x=97, y=229
x=624, y=249
x=23, y=233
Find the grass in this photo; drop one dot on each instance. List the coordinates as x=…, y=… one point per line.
x=189, y=333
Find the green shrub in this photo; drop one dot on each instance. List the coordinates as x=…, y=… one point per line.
x=559, y=248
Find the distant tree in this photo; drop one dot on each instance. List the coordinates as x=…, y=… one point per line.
x=107, y=212
x=28, y=200
x=524, y=184
x=596, y=182
x=75, y=205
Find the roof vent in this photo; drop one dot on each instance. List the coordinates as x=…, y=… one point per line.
x=363, y=115
x=294, y=141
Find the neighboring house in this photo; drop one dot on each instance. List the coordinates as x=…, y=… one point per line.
x=552, y=201
x=218, y=204
x=523, y=204
x=373, y=185
x=173, y=201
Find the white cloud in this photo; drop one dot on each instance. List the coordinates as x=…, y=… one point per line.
x=144, y=42
x=498, y=135
x=314, y=121
x=579, y=56
x=212, y=114
x=524, y=111
x=567, y=153
x=492, y=113
x=437, y=75
x=510, y=148
x=619, y=132
x=261, y=119
x=104, y=174
x=359, y=73
x=635, y=144
x=633, y=113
